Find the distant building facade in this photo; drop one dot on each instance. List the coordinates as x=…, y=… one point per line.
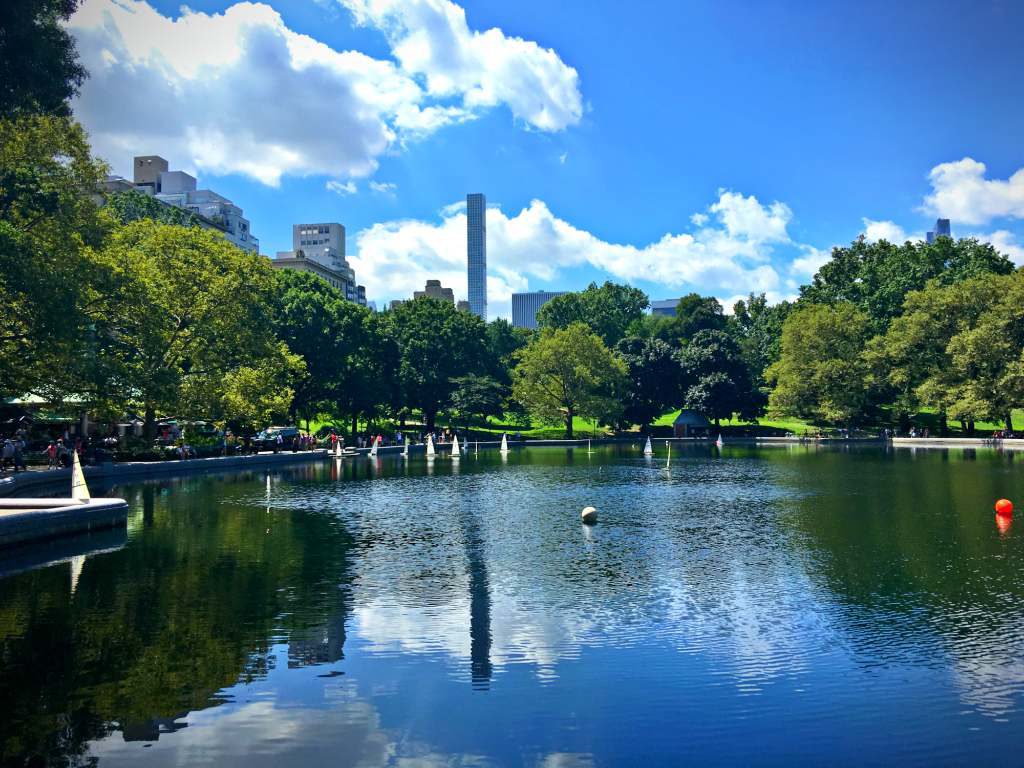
x=151, y=175
x=320, y=248
x=476, y=253
x=941, y=230
x=434, y=290
x=526, y=305
x=665, y=308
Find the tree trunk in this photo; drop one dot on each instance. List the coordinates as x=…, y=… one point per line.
x=963, y=426
x=943, y=424
x=568, y=424
x=431, y=418
x=970, y=427
x=149, y=431
x=718, y=424
x=1009, y=421
x=355, y=425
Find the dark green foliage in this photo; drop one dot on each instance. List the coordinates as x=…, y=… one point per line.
x=717, y=380
x=696, y=313
x=608, y=310
x=39, y=69
x=655, y=379
x=134, y=205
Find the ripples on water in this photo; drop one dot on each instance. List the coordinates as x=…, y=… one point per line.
x=760, y=607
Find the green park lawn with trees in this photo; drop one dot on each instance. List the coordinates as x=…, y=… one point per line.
x=130, y=306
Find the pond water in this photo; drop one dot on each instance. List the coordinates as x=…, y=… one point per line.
x=772, y=606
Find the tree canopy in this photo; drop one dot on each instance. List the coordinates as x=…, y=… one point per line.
x=608, y=310
x=568, y=372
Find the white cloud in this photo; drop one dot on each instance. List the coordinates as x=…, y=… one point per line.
x=240, y=92
x=730, y=254
x=432, y=39
x=340, y=188
x=961, y=192
x=886, y=230
x=1002, y=240
x=384, y=187
x=806, y=266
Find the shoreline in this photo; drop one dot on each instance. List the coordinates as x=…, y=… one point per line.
x=39, y=480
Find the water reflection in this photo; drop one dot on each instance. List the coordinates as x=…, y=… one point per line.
x=428, y=611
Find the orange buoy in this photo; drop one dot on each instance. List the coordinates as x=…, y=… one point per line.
x=1004, y=507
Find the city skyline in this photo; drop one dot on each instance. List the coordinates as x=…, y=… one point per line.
x=591, y=170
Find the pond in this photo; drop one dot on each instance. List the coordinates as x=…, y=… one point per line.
x=759, y=606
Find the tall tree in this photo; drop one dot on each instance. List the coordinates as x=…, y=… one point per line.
x=758, y=328
x=876, y=277
x=654, y=379
x=39, y=68
x=191, y=309
x=52, y=286
x=717, y=379
x=503, y=340
x=608, y=310
x=331, y=335
x=910, y=364
x=477, y=396
x=821, y=373
x=568, y=372
x=436, y=343
x=696, y=313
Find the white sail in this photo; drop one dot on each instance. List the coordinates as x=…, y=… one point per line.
x=504, y=443
x=719, y=442
x=373, y=448
x=79, y=490
x=337, y=449
x=648, y=450
x=405, y=447
x=588, y=446
x=456, y=453
x=668, y=461
x=430, y=446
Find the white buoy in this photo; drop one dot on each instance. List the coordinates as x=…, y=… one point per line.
x=589, y=515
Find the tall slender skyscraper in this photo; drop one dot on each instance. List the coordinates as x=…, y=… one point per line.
x=476, y=253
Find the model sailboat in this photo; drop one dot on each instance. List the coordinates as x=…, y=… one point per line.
x=373, y=448
x=79, y=490
x=504, y=443
x=648, y=450
x=430, y=446
x=719, y=442
x=456, y=453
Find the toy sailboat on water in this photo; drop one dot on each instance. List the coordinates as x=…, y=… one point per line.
x=648, y=450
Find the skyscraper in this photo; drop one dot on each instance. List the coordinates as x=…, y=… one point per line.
x=941, y=230
x=476, y=253
x=526, y=305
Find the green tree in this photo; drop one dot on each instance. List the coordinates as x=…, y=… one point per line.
x=568, y=372
x=133, y=205
x=717, y=379
x=655, y=379
x=331, y=335
x=822, y=374
x=608, y=310
x=192, y=308
x=876, y=277
x=435, y=344
x=503, y=340
x=758, y=328
x=477, y=396
x=910, y=363
x=696, y=313
x=52, y=286
x=39, y=68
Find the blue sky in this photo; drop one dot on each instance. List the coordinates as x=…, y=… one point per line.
x=717, y=147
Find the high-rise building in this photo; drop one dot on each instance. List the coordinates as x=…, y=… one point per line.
x=941, y=230
x=152, y=177
x=320, y=248
x=476, y=253
x=666, y=308
x=526, y=305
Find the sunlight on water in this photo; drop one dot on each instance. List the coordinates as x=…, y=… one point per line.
x=757, y=606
